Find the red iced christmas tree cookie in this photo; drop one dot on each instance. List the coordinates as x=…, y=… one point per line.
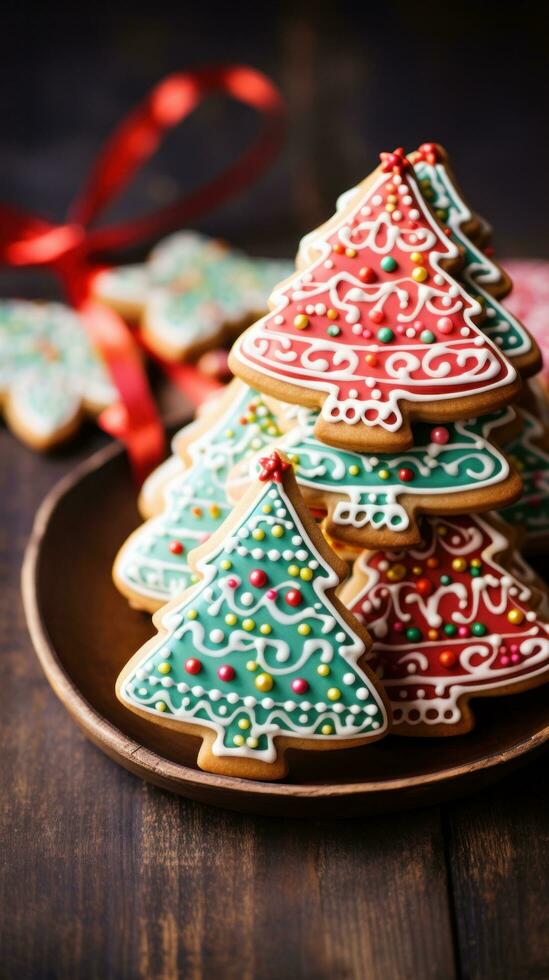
x=259, y=656
x=449, y=622
x=377, y=331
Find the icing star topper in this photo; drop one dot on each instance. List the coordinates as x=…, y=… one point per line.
x=430, y=152
x=395, y=162
x=272, y=468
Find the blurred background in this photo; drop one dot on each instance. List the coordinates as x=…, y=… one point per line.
x=357, y=78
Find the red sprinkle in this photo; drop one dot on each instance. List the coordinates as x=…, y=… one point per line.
x=176, y=547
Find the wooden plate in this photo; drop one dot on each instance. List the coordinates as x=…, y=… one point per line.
x=84, y=632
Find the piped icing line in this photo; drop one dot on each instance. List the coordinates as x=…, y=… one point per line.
x=479, y=273
x=363, y=374
x=255, y=651
x=448, y=622
x=444, y=460
x=153, y=565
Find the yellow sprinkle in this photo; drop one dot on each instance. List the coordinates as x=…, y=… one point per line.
x=226, y=564
x=293, y=570
x=323, y=670
x=334, y=694
x=267, y=508
x=244, y=723
x=417, y=257
x=476, y=563
x=192, y=614
x=383, y=474
x=277, y=531
x=515, y=616
x=417, y=569
x=332, y=314
x=304, y=629
x=248, y=624
x=396, y=572
x=459, y=564
x=419, y=274
x=251, y=665
x=258, y=534
x=252, y=742
x=390, y=208
x=265, y=629
x=264, y=682
x=350, y=253
x=354, y=470
x=306, y=574
x=238, y=739
x=164, y=668
x=161, y=706
x=214, y=510
x=230, y=619
x=326, y=730
x=301, y=322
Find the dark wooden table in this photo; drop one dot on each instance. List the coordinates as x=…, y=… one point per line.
x=105, y=877
x=102, y=876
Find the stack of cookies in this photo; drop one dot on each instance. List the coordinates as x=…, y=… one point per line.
x=341, y=583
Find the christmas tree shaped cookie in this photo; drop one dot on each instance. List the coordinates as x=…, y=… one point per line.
x=481, y=276
x=449, y=622
x=530, y=455
x=259, y=656
x=152, y=565
x=50, y=375
x=374, y=501
x=377, y=331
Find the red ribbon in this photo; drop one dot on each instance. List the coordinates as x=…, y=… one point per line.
x=26, y=239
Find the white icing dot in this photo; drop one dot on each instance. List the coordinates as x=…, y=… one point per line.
x=297, y=539
x=348, y=678
x=371, y=709
x=303, y=719
x=287, y=554
x=339, y=708
x=313, y=563
x=320, y=706
x=243, y=532
x=290, y=705
x=214, y=694
x=420, y=693
x=217, y=636
x=250, y=701
x=153, y=681
x=186, y=702
x=354, y=709
x=232, y=698
x=309, y=309
x=267, y=703
x=197, y=690
x=366, y=210
x=279, y=320
x=242, y=551
x=438, y=279
x=383, y=565
x=258, y=553
x=141, y=674
x=167, y=682
x=372, y=497
x=305, y=705
x=376, y=393
x=247, y=599
x=465, y=331
x=414, y=214
x=357, y=329
x=273, y=554
x=362, y=693
x=320, y=309
x=222, y=710
x=340, y=637
x=397, y=215
x=301, y=555
x=328, y=264
x=142, y=691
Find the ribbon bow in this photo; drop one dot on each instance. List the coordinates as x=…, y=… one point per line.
x=67, y=248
